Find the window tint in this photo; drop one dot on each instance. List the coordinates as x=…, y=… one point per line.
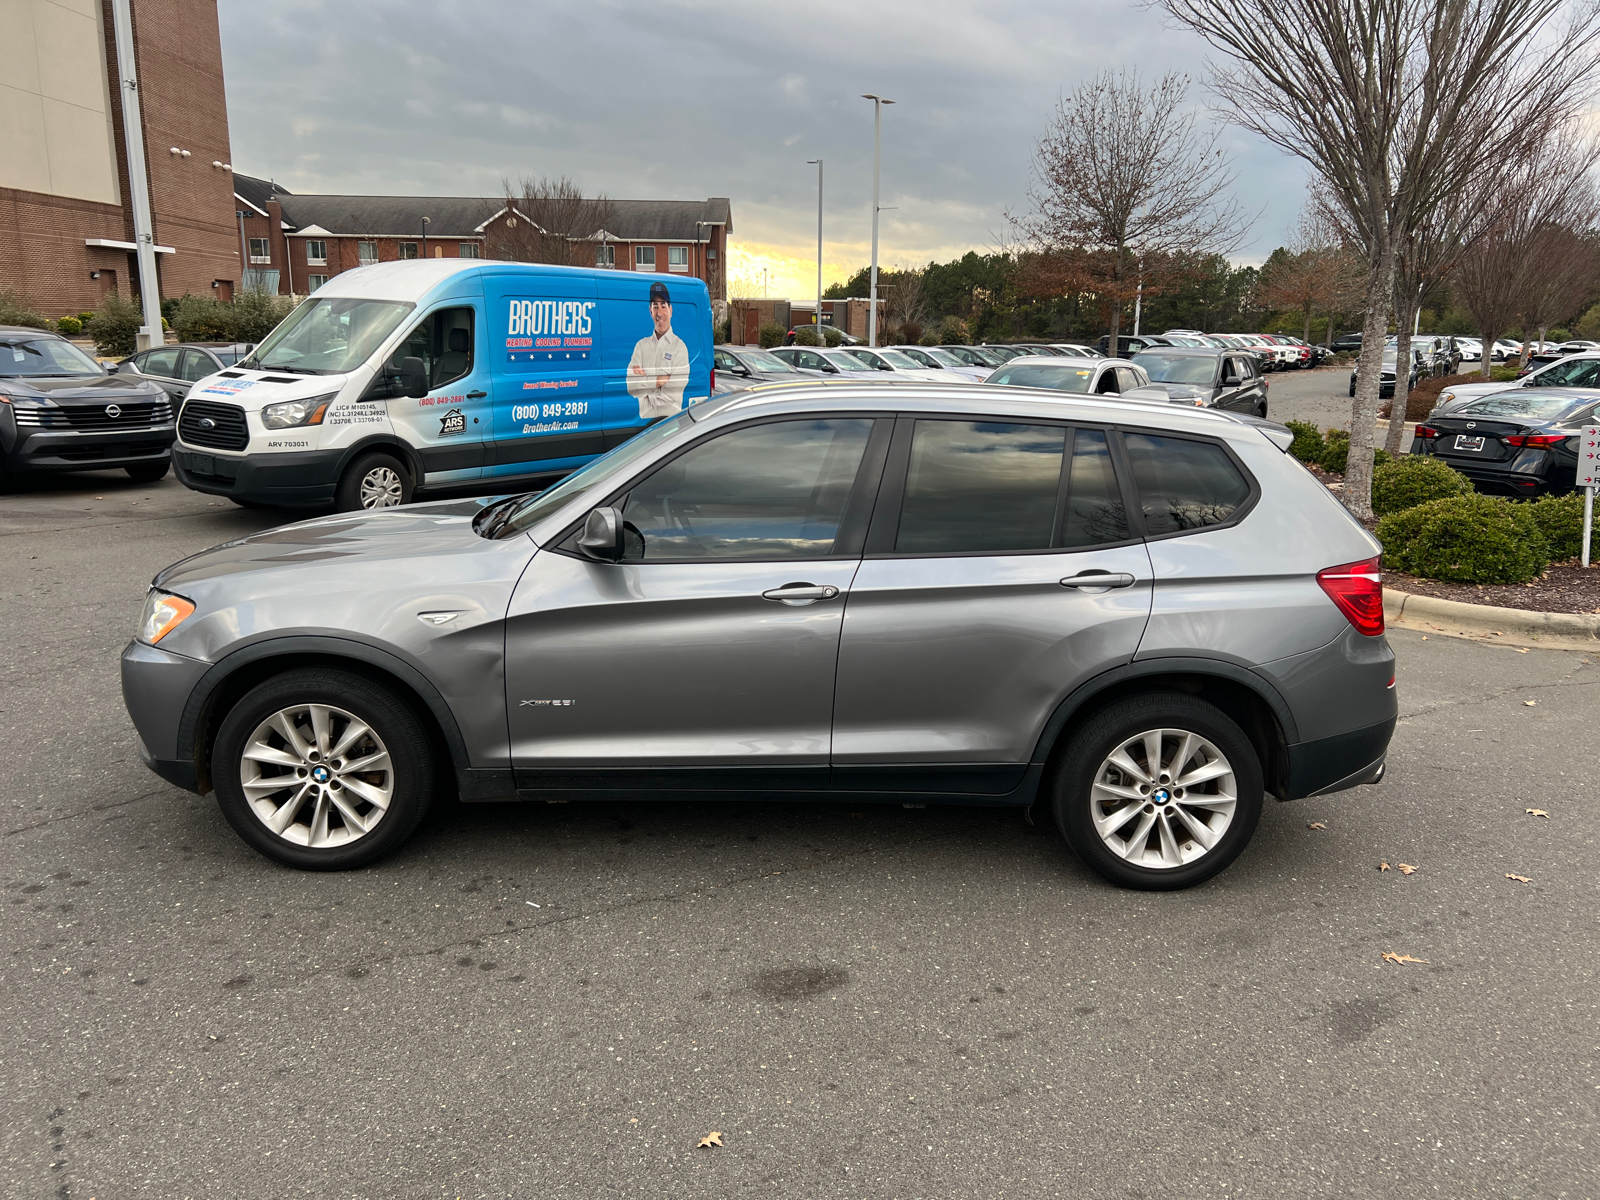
x=976, y=486
x=766, y=492
x=1183, y=484
x=1107, y=385
x=197, y=365
x=162, y=362
x=443, y=341
x=1094, y=513
x=1128, y=379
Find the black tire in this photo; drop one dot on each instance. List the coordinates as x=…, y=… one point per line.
x=1088, y=751
x=1261, y=410
x=398, y=730
x=356, y=490
x=148, y=472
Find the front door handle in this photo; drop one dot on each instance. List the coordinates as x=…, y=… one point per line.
x=1100, y=579
x=476, y=395
x=800, y=593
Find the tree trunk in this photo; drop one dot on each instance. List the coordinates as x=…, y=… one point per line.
x=1364, y=408
x=1112, y=348
x=1402, y=390
x=1306, y=336
x=1488, y=352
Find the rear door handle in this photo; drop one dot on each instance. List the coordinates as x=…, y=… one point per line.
x=801, y=593
x=1103, y=579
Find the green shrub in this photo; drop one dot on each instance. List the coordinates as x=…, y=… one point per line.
x=953, y=331
x=930, y=337
x=16, y=310
x=721, y=333
x=806, y=335
x=1308, y=444
x=1465, y=539
x=69, y=326
x=203, y=319
x=1412, y=480
x=256, y=314
x=115, y=328
x=1560, y=520
x=1336, y=452
x=770, y=335
x=909, y=334
x=832, y=336
x=84, y=317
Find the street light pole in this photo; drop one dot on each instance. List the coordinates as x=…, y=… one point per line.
x=144, y=238
x=877, y=143
x=816, y=319
x=425, y=221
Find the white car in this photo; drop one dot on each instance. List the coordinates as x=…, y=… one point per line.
x=1471, y=349
x=1573, y=371
x=1074, y=350
x=898, y=363
x=935, y=358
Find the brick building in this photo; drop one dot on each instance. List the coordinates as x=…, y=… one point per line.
x=298, y=242
x=66, y=218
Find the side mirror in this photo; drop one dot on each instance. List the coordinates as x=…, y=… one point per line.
x=1230, y=379
x=601, y=538
x=413, y=378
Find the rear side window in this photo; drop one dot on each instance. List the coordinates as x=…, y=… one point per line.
x=1184, y=485
x=1093, y=514
x=977, y=486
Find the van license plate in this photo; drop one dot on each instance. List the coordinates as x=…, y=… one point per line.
x=205, y=464
x=1474, y=444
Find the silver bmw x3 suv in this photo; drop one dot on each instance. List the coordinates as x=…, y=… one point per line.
x=1143, y=618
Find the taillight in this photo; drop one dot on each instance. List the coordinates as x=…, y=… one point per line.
x=1535, y=440
x=1426, y=431
x=1357, y=589
x=713, y=379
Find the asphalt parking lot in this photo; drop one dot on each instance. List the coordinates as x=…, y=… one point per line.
x=562, y=1001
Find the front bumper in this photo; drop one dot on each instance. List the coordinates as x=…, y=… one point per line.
x=71, y=450
x=297, y=478
x=156, y=685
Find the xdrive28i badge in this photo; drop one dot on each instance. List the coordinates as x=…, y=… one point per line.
x=452, y=422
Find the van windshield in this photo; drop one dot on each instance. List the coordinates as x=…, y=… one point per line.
x=328, y=336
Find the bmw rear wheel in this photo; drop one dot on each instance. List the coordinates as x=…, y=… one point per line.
x=1158, y=792
x=322, y=769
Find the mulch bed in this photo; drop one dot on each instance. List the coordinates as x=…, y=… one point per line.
x=1563, y=588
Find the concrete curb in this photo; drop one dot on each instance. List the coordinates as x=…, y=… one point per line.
x=1490, y=623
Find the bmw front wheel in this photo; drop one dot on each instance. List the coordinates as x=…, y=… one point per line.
x=1158, y=792
x=323, y=769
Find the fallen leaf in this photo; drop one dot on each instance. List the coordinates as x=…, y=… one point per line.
x=1537, y=812
x=1391, y=956
x=711, y=1139
x=1406, y=868
x=1521, y=650
x=1383, y=866
x=1529, y=703
x=1518, y=878
x=1318, y=825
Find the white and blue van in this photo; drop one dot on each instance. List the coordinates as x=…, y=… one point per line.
x=405, y=378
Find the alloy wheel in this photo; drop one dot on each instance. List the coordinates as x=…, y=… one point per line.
x=316, y=776
x=1163, y=799
x=381, y=488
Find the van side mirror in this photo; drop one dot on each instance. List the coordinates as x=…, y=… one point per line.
x=601, y=538
x=413, y=378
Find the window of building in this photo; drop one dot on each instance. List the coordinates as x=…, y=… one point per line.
x=981, y=486
x=644, y=258
x=677, y=258
x=367, y=253
x=1184, y=484
x=313, y=282
x=605, y=255
x=467, y=250
x=762, y=493
x=316, y=252
x=260, y=250
x=408, y=249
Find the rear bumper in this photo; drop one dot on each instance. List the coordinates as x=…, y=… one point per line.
x=70, y=450
x=298, y=478
x=1345, y=760
x=1497, y=479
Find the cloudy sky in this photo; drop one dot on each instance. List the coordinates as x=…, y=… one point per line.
x=682, y=99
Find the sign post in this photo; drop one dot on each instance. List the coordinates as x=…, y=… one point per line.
x=1588, y=480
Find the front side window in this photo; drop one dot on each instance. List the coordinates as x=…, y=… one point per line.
x=24, y=355
x=162, y=362
x=316, y=251
x=197, y=364
x=644, y=258
x=677, y=258
x=762, y=493
x=323, y=337
x=443, y=341
x=980, y=486
x=467, y=250
x=408, y=249
x=1183, y=484
x=260, y=250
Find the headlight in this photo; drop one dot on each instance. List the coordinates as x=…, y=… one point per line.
x=163, y=612
x=296, y=412
x=1446, y=397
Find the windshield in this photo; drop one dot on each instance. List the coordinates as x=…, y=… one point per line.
x=1583, y=372
x=760, y=360
x=1178, y=368
x=1518, y=403
x=897, y=358
x=44, y=356
x=921, y=357
x=944, y=358
x=533, y=508
x=332, y=336
x=1058, y=378
x=846, y=360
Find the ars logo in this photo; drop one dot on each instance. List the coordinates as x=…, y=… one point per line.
x=452, y=422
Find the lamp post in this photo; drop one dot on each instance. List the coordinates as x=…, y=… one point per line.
x=816, y=319
x=705, y=266
x=150, y=333
x=425, y=237
x=877, y=143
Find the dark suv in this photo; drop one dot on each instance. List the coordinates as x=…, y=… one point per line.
x=61, y=411
x=1228, y=379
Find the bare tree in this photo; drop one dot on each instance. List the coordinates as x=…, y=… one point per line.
x=904, y=301
x=1314, y=276
x=1387, y=101
x=744, y=291
x=548, y=221
x=1561, y=267
x=1124, y=175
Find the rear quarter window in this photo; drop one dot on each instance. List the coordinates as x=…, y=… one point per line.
x=1184, y=484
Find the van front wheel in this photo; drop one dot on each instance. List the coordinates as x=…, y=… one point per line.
x=374, y=481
